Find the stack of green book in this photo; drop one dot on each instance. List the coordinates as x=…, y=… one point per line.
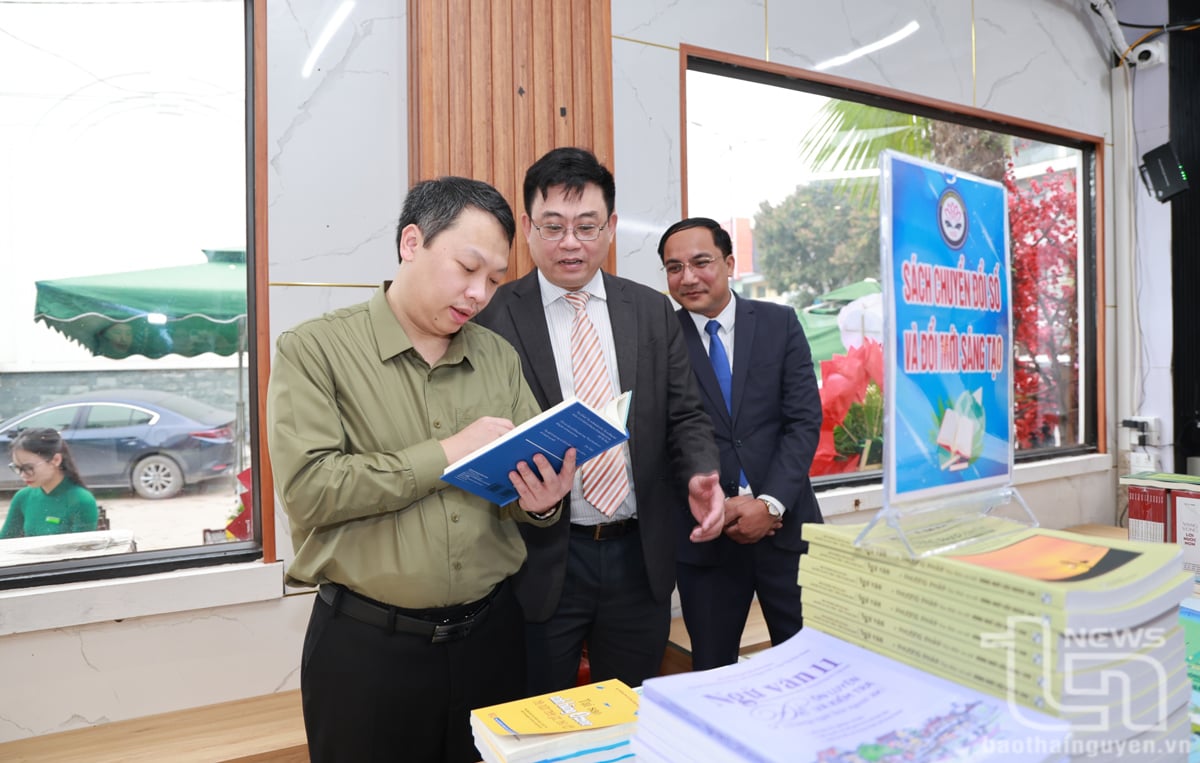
x=1082, y=628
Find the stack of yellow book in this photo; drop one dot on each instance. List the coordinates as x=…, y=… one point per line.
x=1085, y=629
x=583, y=724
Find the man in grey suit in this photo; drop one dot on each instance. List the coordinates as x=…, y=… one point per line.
x=606, y=575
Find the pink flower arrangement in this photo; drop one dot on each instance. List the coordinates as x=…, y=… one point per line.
x=852, y=408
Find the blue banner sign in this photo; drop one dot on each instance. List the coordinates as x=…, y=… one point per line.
x=948, y=401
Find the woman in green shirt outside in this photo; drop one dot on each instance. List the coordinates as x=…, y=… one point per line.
x=54, y=499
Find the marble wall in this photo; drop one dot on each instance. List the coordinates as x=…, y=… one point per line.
x=337, y=143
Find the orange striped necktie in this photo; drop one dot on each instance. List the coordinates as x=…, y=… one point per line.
x=605, y=484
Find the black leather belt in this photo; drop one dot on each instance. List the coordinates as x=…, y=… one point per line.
x=608, y=530
x=437, y=625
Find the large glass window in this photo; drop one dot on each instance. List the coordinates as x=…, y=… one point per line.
x=123, y=218
x=790, y=165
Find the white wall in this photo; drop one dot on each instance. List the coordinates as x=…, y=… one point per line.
x=337, y=145
x=1143, y=99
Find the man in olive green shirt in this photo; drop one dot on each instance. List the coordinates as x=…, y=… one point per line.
x=414, y=624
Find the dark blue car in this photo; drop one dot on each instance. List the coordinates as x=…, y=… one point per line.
x=150, y=441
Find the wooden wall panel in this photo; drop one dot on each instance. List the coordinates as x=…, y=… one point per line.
x=580, y=110
x=494, y=85
x=480, y=84
x=602, y=97
x=458, y=63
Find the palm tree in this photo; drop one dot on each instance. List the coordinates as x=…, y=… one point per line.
x=847, y=138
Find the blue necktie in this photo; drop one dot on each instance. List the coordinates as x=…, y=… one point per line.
x=720, y=362
x=721, y=367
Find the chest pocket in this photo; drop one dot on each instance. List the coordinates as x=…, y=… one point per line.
x=463, y=417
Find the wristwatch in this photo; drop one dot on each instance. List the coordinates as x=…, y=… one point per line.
x=773, y=508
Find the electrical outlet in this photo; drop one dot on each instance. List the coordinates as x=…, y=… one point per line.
x=1148, y=428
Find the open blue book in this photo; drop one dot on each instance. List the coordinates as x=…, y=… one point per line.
x=570, y=424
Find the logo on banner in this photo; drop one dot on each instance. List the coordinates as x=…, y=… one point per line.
x=952, y=218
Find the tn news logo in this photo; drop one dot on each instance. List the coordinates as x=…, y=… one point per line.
x=1101, y=680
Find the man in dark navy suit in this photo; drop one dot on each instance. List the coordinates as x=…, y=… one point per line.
x=755, y=372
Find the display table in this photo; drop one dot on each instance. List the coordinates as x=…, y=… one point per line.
x=1104, y=531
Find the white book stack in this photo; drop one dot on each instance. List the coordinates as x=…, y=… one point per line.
x=817, y=698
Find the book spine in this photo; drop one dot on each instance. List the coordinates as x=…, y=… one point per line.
x=930, y=584
x=964, y=650
x=957, y=617
x=1186, y=521
x=928, y=659
x=1001, y=583
x=1148, y=514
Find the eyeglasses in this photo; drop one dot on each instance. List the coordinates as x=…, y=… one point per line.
x=25, y=470
x=556, y=232
x=698, y=265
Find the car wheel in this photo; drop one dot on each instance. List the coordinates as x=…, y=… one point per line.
x=157, y=477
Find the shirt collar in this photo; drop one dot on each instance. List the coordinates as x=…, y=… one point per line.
x=392, y=339
x=551, y=292
x=726, y=317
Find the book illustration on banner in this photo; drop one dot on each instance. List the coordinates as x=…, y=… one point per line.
x=570, y=424
x=583, y=724
x=960, y=431
x=818, y=698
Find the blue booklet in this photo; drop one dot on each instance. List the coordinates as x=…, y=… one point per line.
x=570, y=424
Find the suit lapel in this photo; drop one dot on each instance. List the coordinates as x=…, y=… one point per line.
x=622, y=316
x=529, y=315
x=744, y=333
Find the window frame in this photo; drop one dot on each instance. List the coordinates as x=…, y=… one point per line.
x=261, y=548
x=1090, y=228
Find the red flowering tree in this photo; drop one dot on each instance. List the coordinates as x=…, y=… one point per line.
x=1044, y=238
x=852, y=411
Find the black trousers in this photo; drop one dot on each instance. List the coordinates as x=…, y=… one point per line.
x=374, y=695
x=606, y=601
x=716, y=599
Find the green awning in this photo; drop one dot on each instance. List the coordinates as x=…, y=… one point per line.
x=820, y=320
x=185, y=310
x=821, y=331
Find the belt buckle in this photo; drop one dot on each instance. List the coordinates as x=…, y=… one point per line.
x=598, y=532
x=444, y=632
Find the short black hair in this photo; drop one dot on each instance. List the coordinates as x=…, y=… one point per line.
x=435, y=205
x=720, y=235
x=572, y=168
